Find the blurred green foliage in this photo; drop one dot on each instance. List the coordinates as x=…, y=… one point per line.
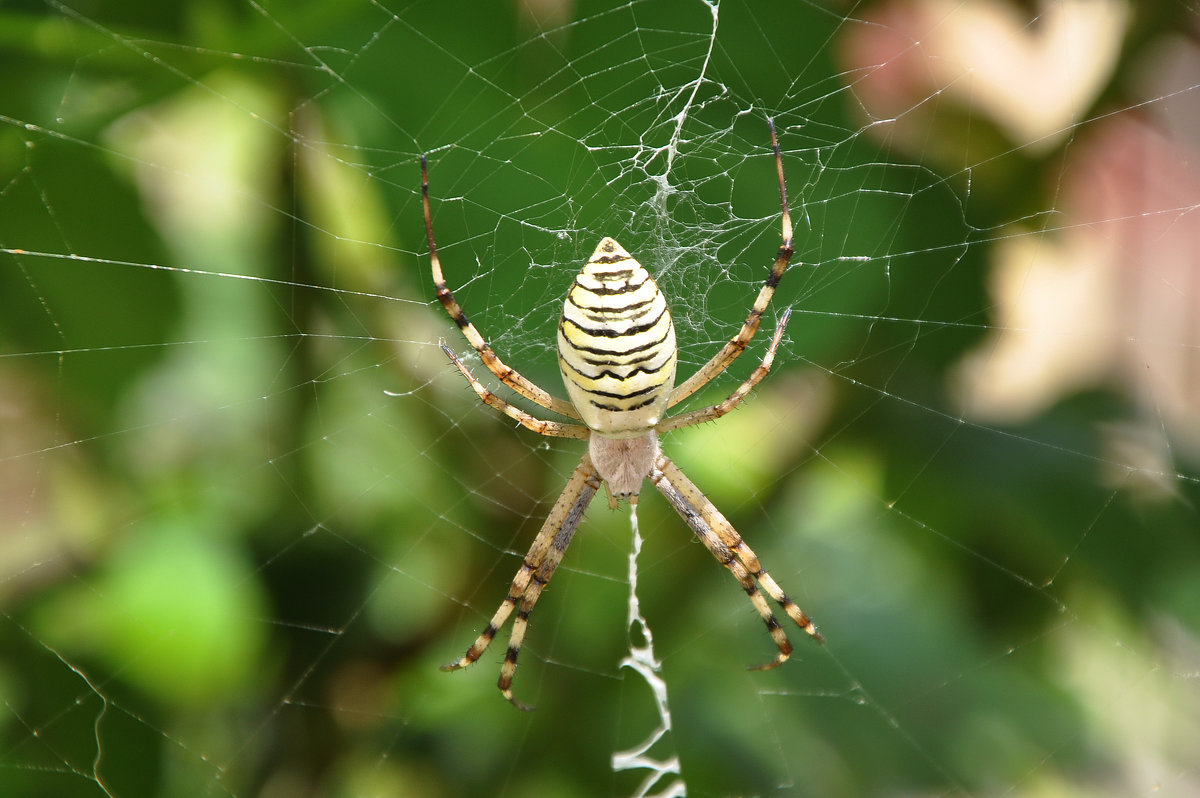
x=232, y=563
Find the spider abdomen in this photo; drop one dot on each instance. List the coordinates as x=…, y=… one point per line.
x=616, y=345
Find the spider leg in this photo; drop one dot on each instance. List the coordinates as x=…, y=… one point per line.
x=714, y=412
x=506, y=374
x=715, y=531
x=737, y=344
x=536, y=569
x=552, y=429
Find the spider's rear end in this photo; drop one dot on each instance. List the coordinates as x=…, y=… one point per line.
x=616, y=345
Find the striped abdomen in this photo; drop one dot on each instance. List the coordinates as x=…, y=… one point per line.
x=616, y=345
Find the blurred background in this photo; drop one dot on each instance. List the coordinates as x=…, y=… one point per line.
x=247, y=508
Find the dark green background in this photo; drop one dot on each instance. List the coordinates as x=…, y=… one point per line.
x=232, y=563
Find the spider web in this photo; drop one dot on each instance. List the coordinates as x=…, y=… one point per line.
x=248, y=508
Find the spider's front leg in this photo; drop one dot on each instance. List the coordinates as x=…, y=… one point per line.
x=538, y=566
x=719, y=536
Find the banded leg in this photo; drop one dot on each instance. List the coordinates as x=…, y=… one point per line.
x=538, y=566
x=713, y=412
x=737, y=344
x=552, y=429
x=715, y=531
x=506, y=374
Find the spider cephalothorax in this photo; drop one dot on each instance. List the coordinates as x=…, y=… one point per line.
x=617, y=354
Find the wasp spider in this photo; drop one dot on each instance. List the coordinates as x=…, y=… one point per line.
x=617, y=354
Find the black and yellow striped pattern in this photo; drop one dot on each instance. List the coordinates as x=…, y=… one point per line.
x=617, y=354
x=616, y=345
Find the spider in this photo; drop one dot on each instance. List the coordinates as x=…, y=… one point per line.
x=617, y=355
